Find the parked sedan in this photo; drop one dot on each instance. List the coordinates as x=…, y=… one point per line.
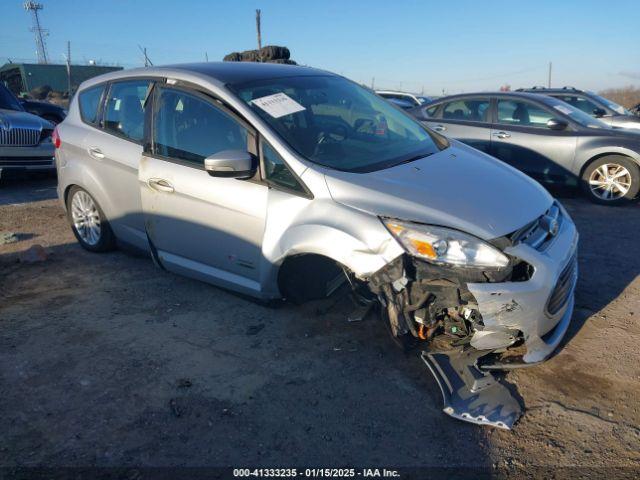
x=592, y=104
x=25, y=139
x=545, y=138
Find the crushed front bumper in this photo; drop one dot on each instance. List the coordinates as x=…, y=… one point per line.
x=539, y=308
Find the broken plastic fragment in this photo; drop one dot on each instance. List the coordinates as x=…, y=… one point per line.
x=470, y=394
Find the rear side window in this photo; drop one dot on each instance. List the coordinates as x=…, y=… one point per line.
x=189, y=128
x=124, y=111
x=89, y=100
x=471, y=110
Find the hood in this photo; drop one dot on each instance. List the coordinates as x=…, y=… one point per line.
x=458, y=187
x=15, y=119
x=626, y=121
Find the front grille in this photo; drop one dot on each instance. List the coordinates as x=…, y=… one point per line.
x=19, y=137
x=564, y=286
x=541, y=232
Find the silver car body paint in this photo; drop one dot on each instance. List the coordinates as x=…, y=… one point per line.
x=254, y=228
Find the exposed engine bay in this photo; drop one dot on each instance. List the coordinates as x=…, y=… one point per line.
x=471, y=323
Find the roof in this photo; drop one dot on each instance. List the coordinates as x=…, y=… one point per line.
x=35, y=75
x=516, y=94
x=236, y=72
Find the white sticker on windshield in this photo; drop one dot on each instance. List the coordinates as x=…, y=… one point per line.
x=278, y=105
x=563, y=109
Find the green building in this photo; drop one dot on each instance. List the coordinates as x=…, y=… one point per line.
x=24, y=77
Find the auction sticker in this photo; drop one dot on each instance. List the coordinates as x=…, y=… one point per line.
x=278, y=105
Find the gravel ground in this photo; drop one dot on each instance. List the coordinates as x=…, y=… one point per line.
x=106, y=360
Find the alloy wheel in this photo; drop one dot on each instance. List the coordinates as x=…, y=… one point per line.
x=86, y=217
x=610, y=181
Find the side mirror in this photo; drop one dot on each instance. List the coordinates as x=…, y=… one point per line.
x=231, y=164
x=599, y=112
x=556, y=124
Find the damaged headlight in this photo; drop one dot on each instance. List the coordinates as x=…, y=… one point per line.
x=444, y=246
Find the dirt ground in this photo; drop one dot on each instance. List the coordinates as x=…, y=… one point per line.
x=106, y=360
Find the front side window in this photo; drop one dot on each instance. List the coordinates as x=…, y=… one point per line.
x=513, y=112
x=581, y=103
x=190, y=128
x=89, y=101
x=469, y=109
x=338, y=124
x=276, y=171
x=124, y=111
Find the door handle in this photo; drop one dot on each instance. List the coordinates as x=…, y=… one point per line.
x=439, y=128
x=160, y=184
x=95, y=152
x=501, y=135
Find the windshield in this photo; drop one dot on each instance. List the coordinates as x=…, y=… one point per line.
x=424, y=100
x=576, y=114
x=8, y=101
x=334, y=122
x=612, y=105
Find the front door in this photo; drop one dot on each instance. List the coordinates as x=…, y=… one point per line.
x=209, y=228
x=466, y=119
x=521, y=138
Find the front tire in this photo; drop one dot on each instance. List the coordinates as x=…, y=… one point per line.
x=88, y=222
x=611, y=180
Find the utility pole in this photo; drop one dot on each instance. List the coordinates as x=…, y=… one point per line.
x=549, y=81
x=259, y=33
x=373, y=83
x=69, y=68
x=147, y=60
x=206, y=57
x=37, y=29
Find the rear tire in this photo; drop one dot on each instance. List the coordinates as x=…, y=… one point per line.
x=611, y=180
x=88, y=222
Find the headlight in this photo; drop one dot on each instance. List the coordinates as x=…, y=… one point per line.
x=444, y=246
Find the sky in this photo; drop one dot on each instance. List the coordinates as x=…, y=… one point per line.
x=425, y=46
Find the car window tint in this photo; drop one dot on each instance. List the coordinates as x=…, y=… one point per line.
x=124, y=112
x=474, y=110
x=431, y=111
x=190, y=128
x=512, y=112
x=89, y=100
x=276, y=171
x=580, y=103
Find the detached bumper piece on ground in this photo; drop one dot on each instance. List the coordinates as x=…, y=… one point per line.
x=469, y=393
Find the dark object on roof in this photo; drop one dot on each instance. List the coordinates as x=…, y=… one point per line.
x=270, y=53
x=25, y=77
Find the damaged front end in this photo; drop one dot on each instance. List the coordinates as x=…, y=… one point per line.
x=508, y=307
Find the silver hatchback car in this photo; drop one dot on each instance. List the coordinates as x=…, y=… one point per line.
x=281, y=181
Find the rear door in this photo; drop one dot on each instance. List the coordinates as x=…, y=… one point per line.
x=207, y=227
x=466, y=119
x=114, y=149
x=521, y=138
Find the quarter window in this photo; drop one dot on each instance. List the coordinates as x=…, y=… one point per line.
x=89, y=100
x=471, y=110
x=522, y=113
x=431, y=111
x=124, y=113
x=276, y=171
x=190, y=128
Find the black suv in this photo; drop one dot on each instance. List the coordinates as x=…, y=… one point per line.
x=591, y=103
